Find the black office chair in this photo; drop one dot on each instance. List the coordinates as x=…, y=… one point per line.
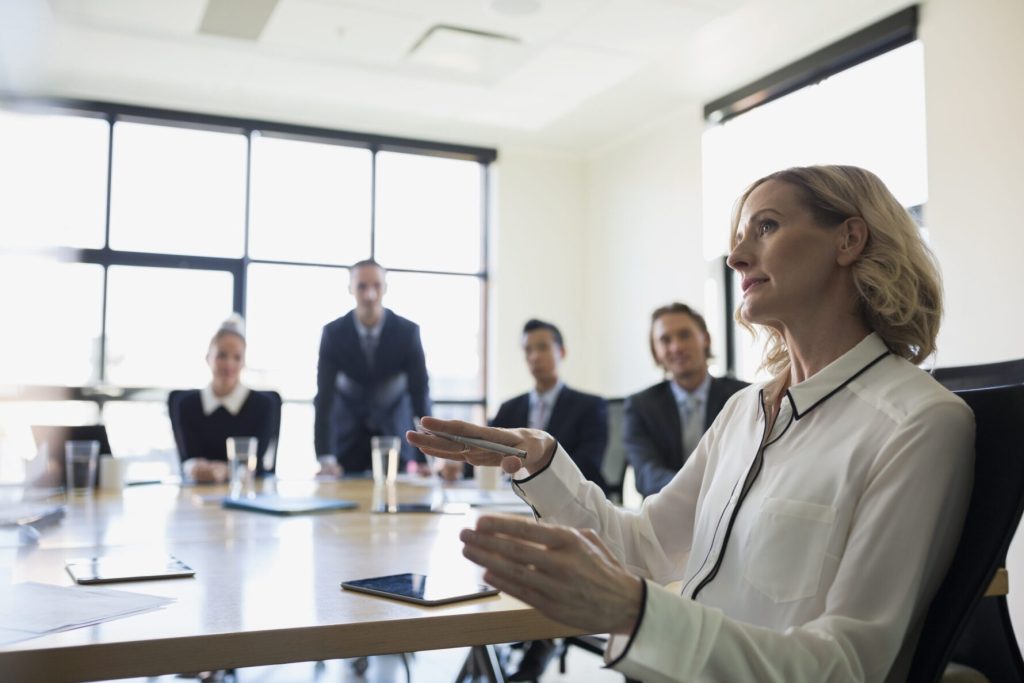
x=613, y=467
x=51, y=439
x=981, y=376
x=960, y=625
x=269, y=460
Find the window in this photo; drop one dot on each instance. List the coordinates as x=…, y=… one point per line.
x=209, y=215
x=53, y=180
x=51, y=316
x=310, y=201
x=870, y=115
x=429, y=212
x=177, y=190
x=159, y=324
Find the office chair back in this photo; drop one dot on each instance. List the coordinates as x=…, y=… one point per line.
x=175, y=397
x=51, y=439
x=994, y=512
x=981, y=376
x=613, y=468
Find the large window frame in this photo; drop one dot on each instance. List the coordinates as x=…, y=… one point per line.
x=102, y=392
x=872, y=41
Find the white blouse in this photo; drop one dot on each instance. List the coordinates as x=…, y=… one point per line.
x=812, y=559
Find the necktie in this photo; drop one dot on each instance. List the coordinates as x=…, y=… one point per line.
x=540, y=416
x=369, y=347
x=693, y=424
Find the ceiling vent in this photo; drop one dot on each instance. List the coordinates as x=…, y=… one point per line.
x=467, y=53
x=242, y=19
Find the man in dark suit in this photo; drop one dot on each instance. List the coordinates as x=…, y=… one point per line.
x=371, y=376
x=580, y=423
x=663, y=424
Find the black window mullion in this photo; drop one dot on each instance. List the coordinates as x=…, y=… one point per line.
x=102, y=360
x=374, y=150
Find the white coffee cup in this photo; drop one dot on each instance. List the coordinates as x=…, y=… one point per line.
x=488, y=478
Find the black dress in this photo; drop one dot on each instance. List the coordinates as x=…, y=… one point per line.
x=205, y=436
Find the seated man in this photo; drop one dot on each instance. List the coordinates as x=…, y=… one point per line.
x=580, y=423
x=664, y=423
x=572, y=417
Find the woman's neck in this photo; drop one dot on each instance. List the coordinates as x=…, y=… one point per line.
x=812, y=347
x=220, y=389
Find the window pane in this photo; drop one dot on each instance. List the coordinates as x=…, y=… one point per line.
x=177, y=190
x=17, y=447
x=50, y=314
x=287, y=308
x=310, y=202
x=429, y=214
x=452, y=333
x=460, y=411
x=871, y=115
x=296, y=457
x=53, y=171
x=159, y=324
x=138, y=427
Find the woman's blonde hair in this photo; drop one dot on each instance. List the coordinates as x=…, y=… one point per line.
x=897, y=279
x=235, y=324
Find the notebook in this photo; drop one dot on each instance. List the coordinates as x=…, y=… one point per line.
x=280, y=505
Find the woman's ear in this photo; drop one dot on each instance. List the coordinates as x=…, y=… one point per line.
x=853, y=235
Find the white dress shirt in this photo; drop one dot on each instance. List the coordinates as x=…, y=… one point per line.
x=816, y=561
x=538, y=418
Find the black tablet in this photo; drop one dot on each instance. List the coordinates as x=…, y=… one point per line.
x=135, y=567
x=421, y=589
x=284, y=505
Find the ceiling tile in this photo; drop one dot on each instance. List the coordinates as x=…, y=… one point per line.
x=341, y=32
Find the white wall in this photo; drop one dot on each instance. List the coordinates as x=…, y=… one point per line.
x=537, y=263
x=974, y=71
x=974, y=68
x=643, y=245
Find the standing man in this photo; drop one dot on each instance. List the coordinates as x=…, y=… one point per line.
x=371, y=376
x=664, y=423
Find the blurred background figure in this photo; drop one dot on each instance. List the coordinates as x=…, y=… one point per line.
x=371, y=378
x=203, y=419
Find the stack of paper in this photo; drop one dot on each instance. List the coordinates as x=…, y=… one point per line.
x=30, y=610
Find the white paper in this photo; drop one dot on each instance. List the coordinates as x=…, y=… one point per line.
x=478, y=498
x=32, y=609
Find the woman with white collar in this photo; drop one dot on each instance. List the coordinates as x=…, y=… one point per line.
x=809, y=530
x=204, y=418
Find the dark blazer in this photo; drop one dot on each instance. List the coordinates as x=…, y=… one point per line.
x=653, y=433
x=205, y=436
x=579, y=421
x=354, y=403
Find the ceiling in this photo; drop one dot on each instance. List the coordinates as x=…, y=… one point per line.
x=569, y=76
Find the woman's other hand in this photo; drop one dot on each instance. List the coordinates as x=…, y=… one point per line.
x=568, y=574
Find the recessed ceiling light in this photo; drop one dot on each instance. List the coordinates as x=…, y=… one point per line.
x=515, y=8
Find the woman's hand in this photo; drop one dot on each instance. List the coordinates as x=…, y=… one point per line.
x=539, y=446
x=209, y=471
x=568, y=574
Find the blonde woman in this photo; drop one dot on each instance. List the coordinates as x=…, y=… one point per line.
x=202, y=419
x=817, y=516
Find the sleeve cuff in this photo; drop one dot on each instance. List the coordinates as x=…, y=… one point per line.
x=618, y=647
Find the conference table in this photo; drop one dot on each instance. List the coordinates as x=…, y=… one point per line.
x=266, y=588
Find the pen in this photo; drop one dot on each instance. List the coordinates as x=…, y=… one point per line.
x=479, y=443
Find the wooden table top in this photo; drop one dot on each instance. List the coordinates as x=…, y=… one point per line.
x=266, y=589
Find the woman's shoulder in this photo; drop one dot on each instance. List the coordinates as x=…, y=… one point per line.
x=905, y=390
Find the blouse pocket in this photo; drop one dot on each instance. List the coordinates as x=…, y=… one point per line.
x=786, y=548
